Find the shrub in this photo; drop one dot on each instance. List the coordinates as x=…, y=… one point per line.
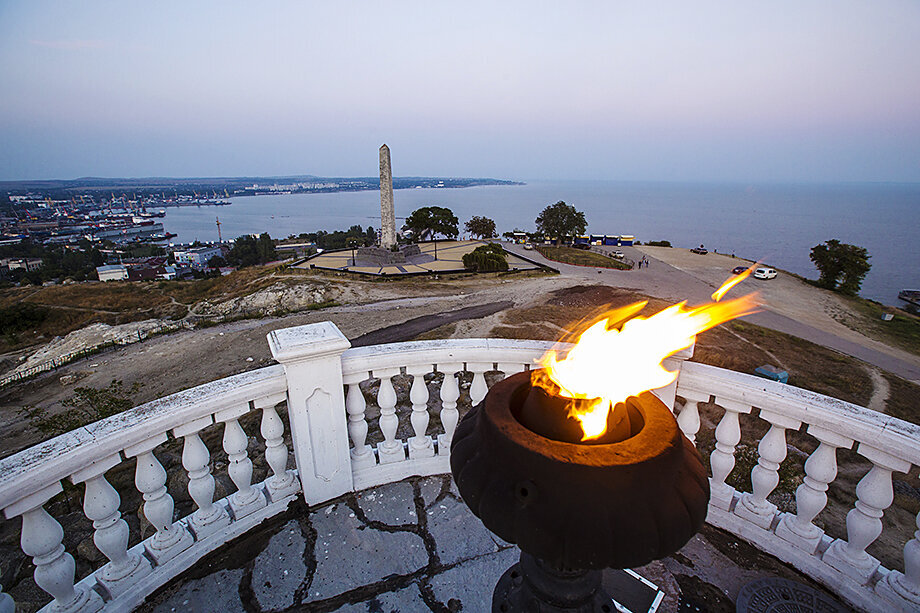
x=22, y=316
x=88, y=404
x=486, y=258
x=657, y=243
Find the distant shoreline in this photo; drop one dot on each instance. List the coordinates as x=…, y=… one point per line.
x=231, y=186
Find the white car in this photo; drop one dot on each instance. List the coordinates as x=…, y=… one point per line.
x=618, y=254
x=764, y=273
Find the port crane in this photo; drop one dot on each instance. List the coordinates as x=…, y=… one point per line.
x=219, y=239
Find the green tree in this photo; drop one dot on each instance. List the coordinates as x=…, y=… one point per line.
x=560, y=220
x=841, y=267
x=486, y=258
x=429, y=221
x=249, y=251
x=266, y=248
x=482, y=227
x=217, y=262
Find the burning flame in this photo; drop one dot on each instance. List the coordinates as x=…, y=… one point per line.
x=609, y=365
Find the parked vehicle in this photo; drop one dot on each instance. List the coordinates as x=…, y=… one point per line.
x=737, y=270
x=618, y=254
x=582, y=246
x=528, y=247
x=764, y=273
x=700, y=250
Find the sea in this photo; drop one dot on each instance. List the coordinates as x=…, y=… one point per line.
x=775, y=224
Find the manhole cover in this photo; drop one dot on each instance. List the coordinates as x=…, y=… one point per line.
x=775, y=595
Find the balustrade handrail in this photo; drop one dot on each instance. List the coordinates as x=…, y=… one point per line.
x=329, y=428
x=432, y=352
x=844, y=418
x=53, y=460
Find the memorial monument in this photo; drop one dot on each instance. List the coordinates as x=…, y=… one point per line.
x=387, y=212
x=384, y=255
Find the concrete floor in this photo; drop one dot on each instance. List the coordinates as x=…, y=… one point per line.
x=413, y=546
x=436, y=257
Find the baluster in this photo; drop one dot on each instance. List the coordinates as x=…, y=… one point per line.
x=450, y=392
x=864, y=521
x=753, y=506
x=420, y=445
x=391, y=449
x=811, y=496
x=283, y=482
x=900, y=588
x=209, y=517
x=362, y=455
x=689, y=418
x=150, y=479
x=246, y=499
x=6, y=602
x=478, y=388
x=41, y=539
x=100, y=504
x=722, y=459
x=511, y=368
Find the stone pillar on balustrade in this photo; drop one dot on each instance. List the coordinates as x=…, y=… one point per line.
x=311, y=356
x=668, y=393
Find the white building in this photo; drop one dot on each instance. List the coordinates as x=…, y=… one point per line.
x=26, y=264
x=197, y=258
x=112, y=272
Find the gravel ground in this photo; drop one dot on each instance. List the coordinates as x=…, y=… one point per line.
x=177, y=361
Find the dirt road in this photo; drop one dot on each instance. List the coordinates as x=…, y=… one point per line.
x=177, y=361
x=789, y=304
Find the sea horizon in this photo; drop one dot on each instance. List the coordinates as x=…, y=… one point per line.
x=776, y=223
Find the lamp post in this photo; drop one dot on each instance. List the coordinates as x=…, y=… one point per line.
x=352, y=242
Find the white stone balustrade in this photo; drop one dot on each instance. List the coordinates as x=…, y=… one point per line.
x=321, y=379
x=450, y=416
x=362, y=455
x=209, y=517
x=689, y=418
x=100, y=503
x=41, y=539
x=811, y=497
x=874, y=494
x=753, y=505
x=246, y=499
x=170, y=539
x=722, y=459
x=420, y=445
x=390, y=450
x=283, y=482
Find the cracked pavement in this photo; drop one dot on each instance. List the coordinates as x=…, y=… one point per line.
x=406, y=546
x=413, y=546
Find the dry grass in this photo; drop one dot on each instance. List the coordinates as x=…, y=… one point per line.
x=865, y=317
x=743, y=347
x=580, y=257
x=445, y=331
x=75, y=306
x=903, y=399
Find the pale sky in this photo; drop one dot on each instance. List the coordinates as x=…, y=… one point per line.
x=673, y=91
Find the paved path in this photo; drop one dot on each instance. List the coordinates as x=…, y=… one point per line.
x=769, y=319
x=411, y=328
x=665, y=281
x=414, y=547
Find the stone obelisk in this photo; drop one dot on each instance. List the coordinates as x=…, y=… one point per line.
x=387, y=212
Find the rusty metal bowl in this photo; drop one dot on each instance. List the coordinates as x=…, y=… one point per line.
x=575, y=505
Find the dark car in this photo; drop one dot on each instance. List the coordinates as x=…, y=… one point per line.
x=737, y=270
x=701, y=250
x=583, y=246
